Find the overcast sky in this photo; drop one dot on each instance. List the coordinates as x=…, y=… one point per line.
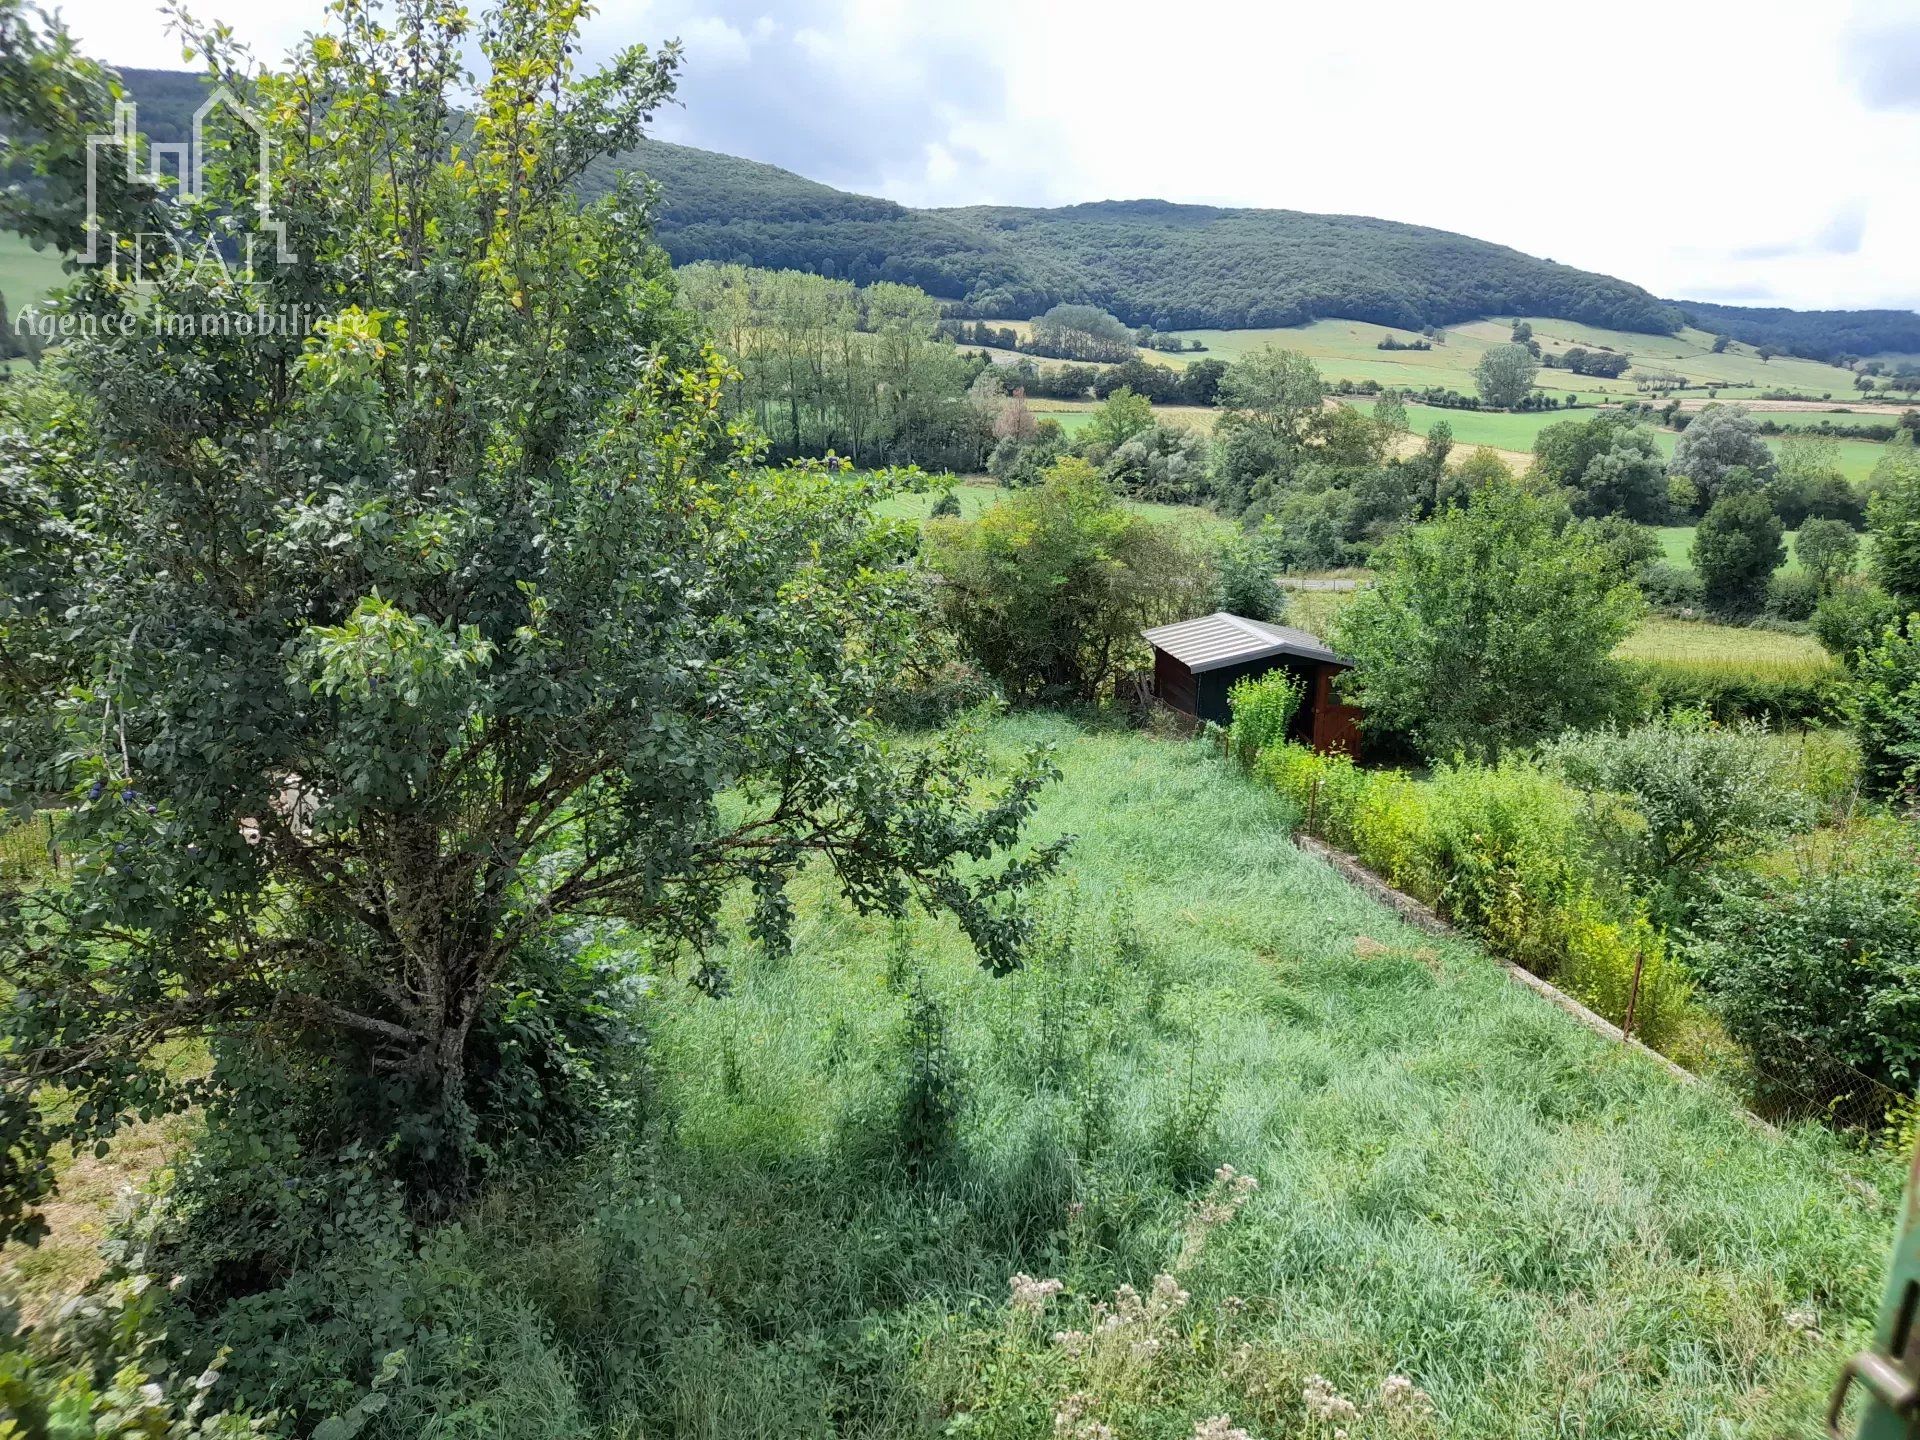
x=1750, y=151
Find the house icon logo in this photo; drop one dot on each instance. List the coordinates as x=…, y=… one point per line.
x=181, y=167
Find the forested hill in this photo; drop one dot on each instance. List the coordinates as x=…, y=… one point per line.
x=1148, y=261
x=1816, y=334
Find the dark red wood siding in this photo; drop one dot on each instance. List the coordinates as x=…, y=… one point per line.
x=1173, y=683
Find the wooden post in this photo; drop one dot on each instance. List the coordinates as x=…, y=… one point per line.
x=53, y=841
x=1633, y=994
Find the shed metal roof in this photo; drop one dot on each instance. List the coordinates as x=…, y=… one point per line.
x=1222, y=639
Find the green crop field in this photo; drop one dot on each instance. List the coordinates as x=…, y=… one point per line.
x=1075, y=415
x=1699, y=642
x=1838, y=415
x=1516, y=432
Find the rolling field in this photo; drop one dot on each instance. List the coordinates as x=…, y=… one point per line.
x=1348, y=349
x=1702, y=642
x=1516, y=432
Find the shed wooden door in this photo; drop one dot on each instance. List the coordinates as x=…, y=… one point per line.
x=1336, y=725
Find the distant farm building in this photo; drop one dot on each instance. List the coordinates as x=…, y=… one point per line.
x=1196, y=662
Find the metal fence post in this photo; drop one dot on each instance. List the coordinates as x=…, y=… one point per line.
x=1633, y=994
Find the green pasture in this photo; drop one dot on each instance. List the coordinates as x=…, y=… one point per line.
x=26, y=274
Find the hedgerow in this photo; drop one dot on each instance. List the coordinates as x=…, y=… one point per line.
x=1499, y=850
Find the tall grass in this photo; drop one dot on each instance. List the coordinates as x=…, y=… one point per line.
x=1457, y=1184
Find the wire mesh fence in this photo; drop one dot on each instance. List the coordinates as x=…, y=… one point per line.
x=1794, y=1079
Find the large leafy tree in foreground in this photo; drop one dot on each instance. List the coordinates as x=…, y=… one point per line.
x=1492, y=627
x=398, y=644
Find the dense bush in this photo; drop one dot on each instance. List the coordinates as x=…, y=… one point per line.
x=1049, y=589
x=1736, y=549
x=1883, y=706
x=1828, y=956
x=1492, y=627
x=98, y=1372
x=1893, y=515
x=1669, y=587
x=1244, y=569
x=1793, y=595
x=1776, y=693
x=1163, y=463
x=1667, y=803
x=1853, y=617
x=1263, y=706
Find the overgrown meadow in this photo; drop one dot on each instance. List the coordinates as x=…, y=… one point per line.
x=812, y=1220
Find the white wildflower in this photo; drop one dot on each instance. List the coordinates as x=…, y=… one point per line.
x=1400, y=1397
x=1031, y=1295
x=1323, y=1402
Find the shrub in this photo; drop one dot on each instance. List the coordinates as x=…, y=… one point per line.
x=1263, y=706
x=1244, y=568
x=933, y=693
x=1793, y=596
x=1494, y=626
x=1782, y=692
x=1506, y=841
x=1049, y=589
x=1601, y=956
x=96, y=1372
x=1827, y=550
x=1164, y=463
x=1853, y=617
x=1893, y=516
x=1670, y=587
x=1883, y=707
x=1736, y=549
x=1829, y=956
x=1669, y=801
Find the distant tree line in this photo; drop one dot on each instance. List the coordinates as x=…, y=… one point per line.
x=1811, y=334
x=827, y=366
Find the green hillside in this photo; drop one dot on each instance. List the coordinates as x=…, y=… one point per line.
x=1151, y=262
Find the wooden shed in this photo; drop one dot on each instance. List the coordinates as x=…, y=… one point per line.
x=1196, y=662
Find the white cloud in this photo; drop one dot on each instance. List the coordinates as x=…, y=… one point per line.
x=1749, y=148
